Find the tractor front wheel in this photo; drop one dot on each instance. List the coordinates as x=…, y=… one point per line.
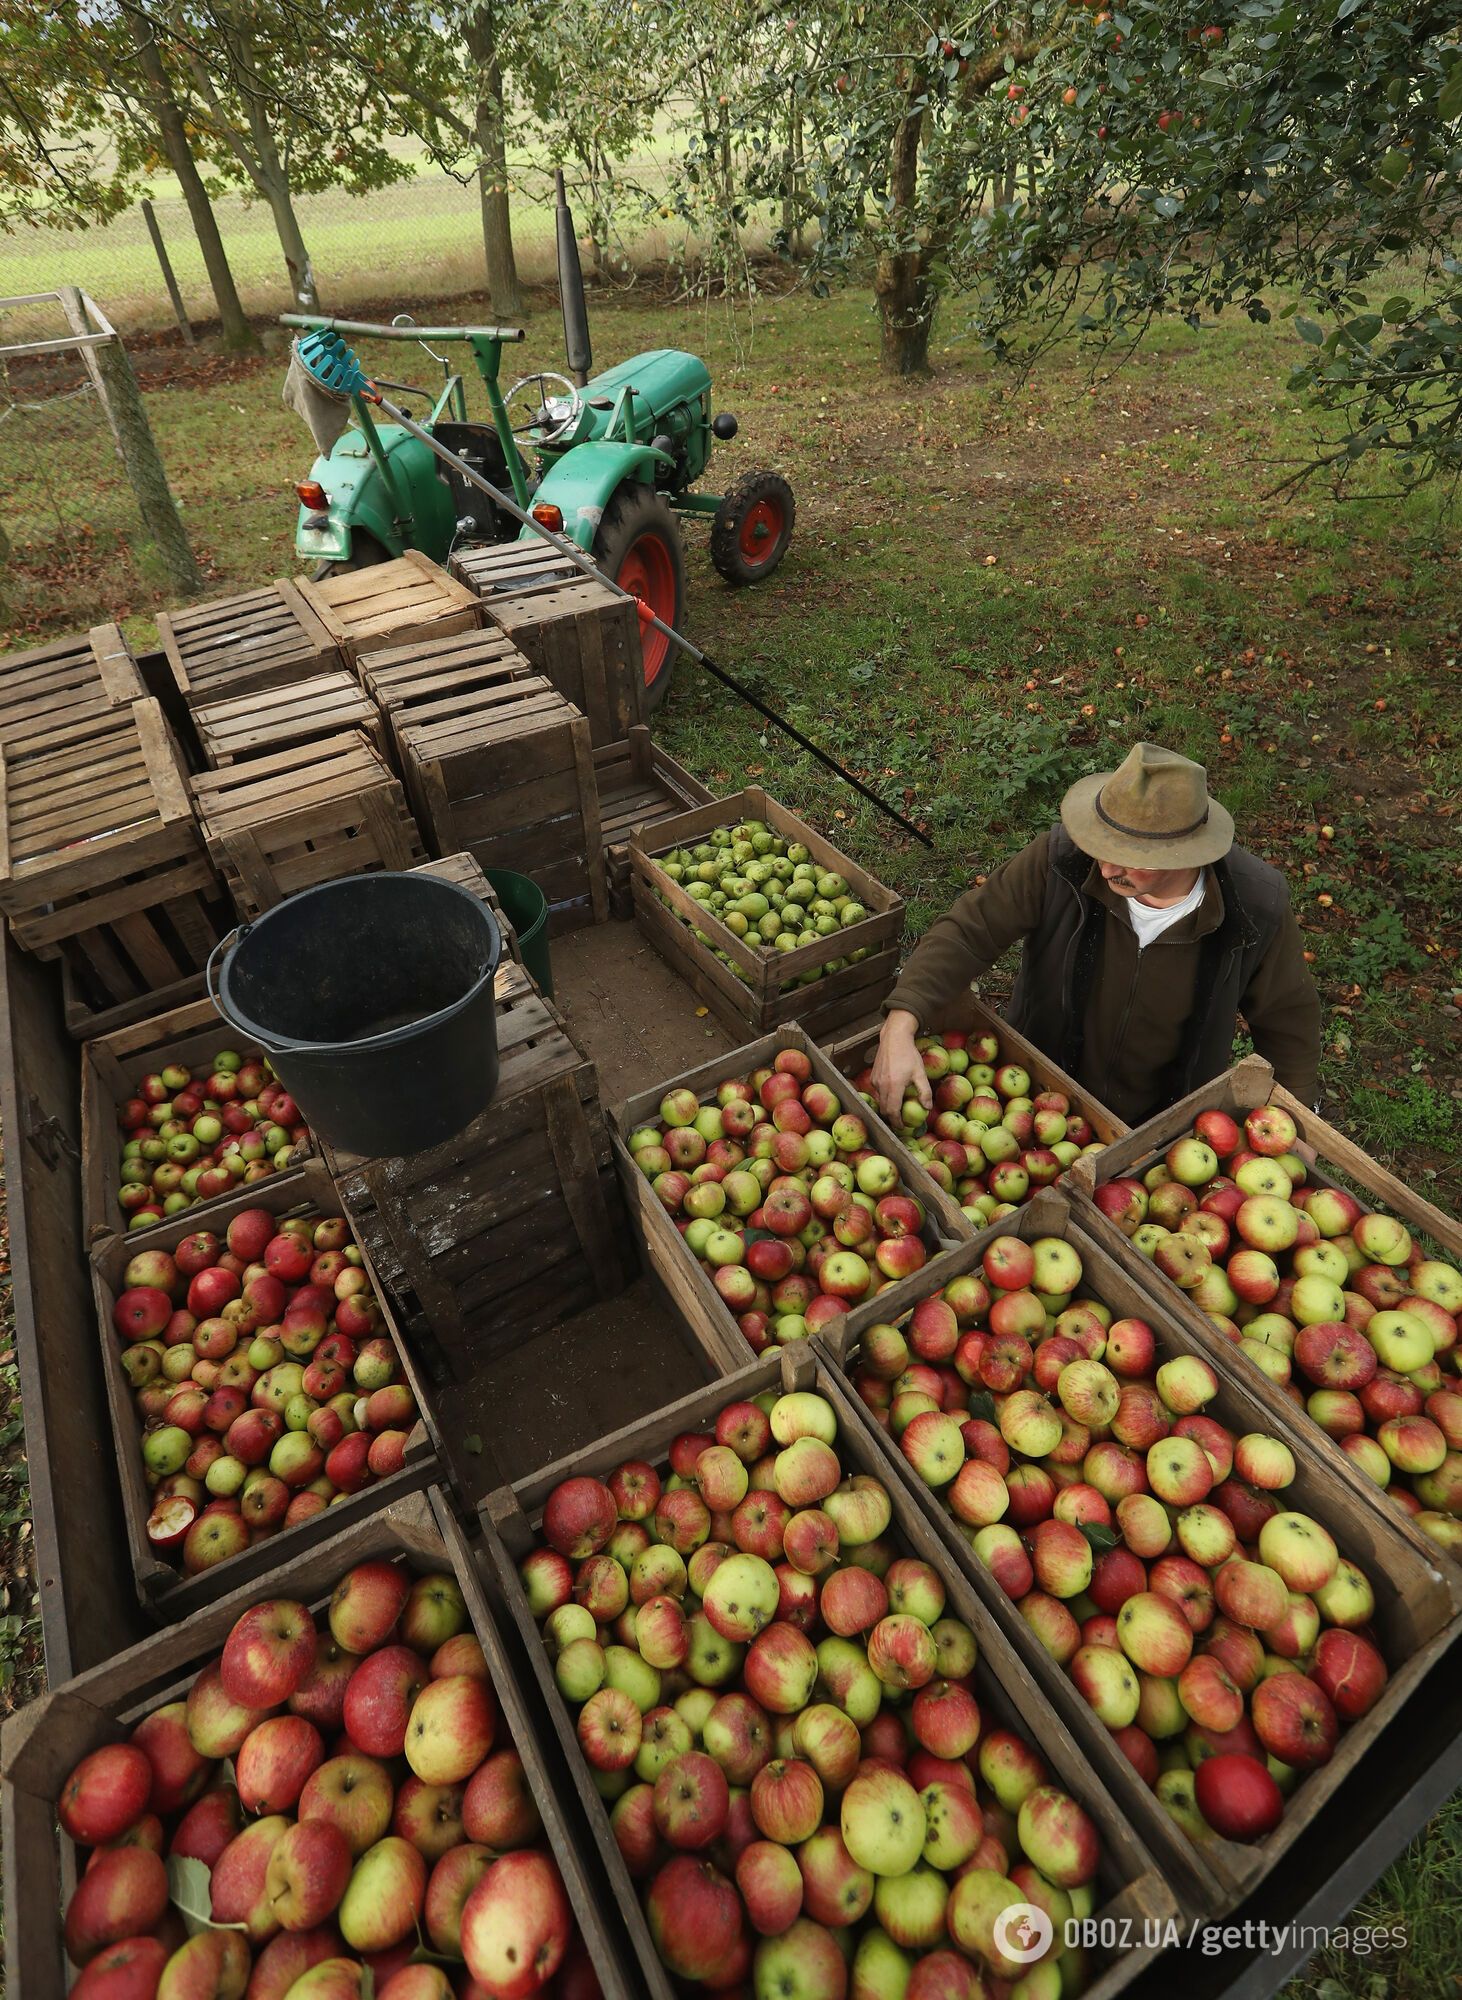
x=752, y=527
x=638, y=547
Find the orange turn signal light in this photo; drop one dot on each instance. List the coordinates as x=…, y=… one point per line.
x=548, y=516
x=313, y=495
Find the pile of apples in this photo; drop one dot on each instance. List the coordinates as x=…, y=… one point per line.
x=1336, y=1304
x=787, y=1726
x=343, y=1802
x=187, y=1139
x=779, y=1193
x=768, y=890
x=1220, y=1636
x=987, y=1142
x=263, y=1378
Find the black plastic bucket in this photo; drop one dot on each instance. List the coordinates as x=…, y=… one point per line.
x=373, y=996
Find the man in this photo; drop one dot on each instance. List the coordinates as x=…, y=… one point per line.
x=1145, y=932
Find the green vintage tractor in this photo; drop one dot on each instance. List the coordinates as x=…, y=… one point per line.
x=608, y=460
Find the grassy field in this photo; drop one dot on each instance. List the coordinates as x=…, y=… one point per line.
x=998, y=581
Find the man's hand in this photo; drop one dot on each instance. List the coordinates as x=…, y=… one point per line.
x=898, y=1068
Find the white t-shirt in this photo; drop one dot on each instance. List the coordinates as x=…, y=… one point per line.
x=1150, y=923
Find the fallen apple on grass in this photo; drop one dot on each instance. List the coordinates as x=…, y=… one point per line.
x=825, y=1771
x=1337, y=1305
x=1148, y=1547
x=362, y=1864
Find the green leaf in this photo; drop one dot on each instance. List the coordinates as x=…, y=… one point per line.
x=1307, y=330
x=1396, y=309
x=1346, y=9
x=473, y=1443
x=1394, y=166
x=1449, y=104
x=190, y=1890
x=1099, y=1538
x=983, y=1406
x=1166, y=205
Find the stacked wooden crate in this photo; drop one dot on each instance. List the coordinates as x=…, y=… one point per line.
x=513, y=1224
x=281, y=823
x=584, y=638
x=240, y=727
x=435, y=678
x=390, y=604
x=506, y=773
x=239, y=645
x=101, y=864
x=72, y=680
x=511, y=569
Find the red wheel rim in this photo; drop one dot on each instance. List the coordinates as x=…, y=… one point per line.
x=761, y=530
x=648, y=573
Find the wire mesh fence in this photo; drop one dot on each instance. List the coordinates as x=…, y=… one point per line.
x=69, y=520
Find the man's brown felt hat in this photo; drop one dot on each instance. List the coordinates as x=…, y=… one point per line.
x=1153, y=811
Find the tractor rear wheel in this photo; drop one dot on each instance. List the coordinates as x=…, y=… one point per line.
x=752, y=527
x=638, y=547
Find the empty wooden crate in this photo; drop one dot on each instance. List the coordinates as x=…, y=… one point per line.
x=289, y=821
x=241, y=727
x=509, y=569
x=514, y=1223
x=102, y=866
x=435, y=678
x=508, y=775
x=390, y=604
x=71, y=680
x=237, y=645
x=584, y=638
x=639, y=785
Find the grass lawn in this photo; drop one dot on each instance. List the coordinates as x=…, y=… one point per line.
x=997, y=582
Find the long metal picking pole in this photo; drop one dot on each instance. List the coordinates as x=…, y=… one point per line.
x=590, y=568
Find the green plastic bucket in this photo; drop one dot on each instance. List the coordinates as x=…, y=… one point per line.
x=526, y=908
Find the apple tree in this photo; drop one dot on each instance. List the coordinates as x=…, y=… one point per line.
x=1200, y=156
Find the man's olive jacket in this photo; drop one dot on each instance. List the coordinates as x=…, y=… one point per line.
x=1137, y=1029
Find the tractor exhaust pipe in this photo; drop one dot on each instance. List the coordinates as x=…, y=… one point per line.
x=571, y=290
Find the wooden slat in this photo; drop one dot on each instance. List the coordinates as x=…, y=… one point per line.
x=585, y=639
x=391, y=603
x=242, y=645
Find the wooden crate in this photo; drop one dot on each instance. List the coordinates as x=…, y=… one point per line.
x=661, y=1244
x=242, y=727
x=766, y=989
x=163, y=1589
x=433, y=679
x=585, y=639
x=299, y=817
x=71, y=680
x=1129, y=1885
x=40, y=1746
x=512, y=569
x=508, y=776
x=240, y=645
x=1339, y=1163
x=1417, y=1605
x=100, y=860
x=110, y=1068
x=969, y=1015
x=512, y=1224
x=639, y=785
x=390, y=604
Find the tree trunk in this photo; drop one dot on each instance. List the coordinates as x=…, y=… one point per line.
x=237, y=332
x=272, y=176
x=906, y=297
x=490, y=128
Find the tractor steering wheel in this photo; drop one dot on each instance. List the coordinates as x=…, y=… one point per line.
x=549, y=426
